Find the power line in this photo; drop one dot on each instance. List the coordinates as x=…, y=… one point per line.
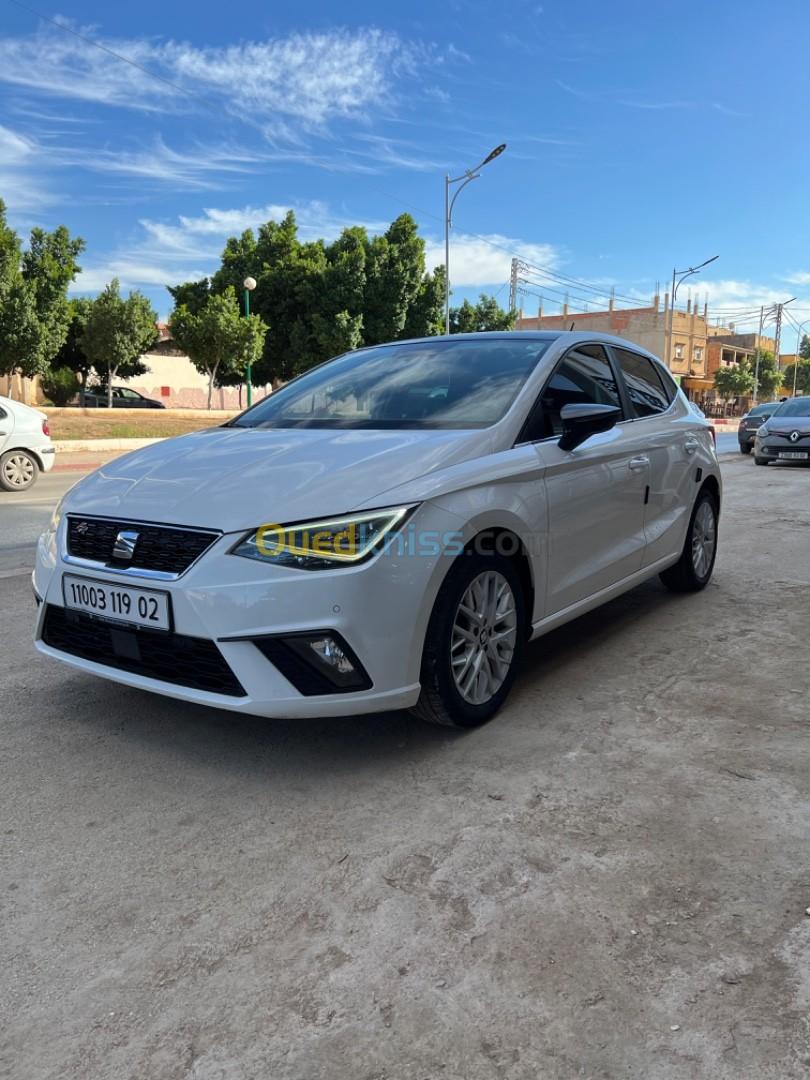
x=106, y=49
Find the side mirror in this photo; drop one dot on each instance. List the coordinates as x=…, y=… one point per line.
x=581, y=421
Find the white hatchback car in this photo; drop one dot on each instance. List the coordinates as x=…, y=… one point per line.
x=25, y=445
x=386, y=531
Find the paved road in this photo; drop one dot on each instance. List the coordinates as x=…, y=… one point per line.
x=23, y=516
x=608, y=881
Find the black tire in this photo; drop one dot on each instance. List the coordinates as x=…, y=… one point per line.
x=18, y=470
x=745, y=448
x=684, y=576
x=760, y=460
x=441, y=701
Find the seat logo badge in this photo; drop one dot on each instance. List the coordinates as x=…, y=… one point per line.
x=124, y=547
x=794, y=436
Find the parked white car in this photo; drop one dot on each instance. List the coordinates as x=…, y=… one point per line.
x=386, y=531
x=25, y=445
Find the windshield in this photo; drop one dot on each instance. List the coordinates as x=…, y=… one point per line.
x=758, y=410
x=799, y=406
x=429, y=384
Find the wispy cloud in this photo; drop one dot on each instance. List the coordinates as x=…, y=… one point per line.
x=311, y=77
x=195, y=167
x=801, y=277
x=637, y=102
x=20, y=180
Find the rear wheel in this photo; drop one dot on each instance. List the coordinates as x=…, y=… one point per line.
x=474, y=642
x=694, y=568
x=18, y=470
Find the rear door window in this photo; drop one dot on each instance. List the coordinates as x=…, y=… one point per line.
x=646, y=389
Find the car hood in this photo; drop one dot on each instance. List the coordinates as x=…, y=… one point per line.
x=783, y=425
x=238, y=478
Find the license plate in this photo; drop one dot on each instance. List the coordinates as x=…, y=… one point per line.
x=794, y=455
x=121, y=603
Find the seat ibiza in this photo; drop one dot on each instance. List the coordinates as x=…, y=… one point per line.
x=386, y=531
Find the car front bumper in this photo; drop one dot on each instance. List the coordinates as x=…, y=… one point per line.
x=772, y=447
x=379, y=608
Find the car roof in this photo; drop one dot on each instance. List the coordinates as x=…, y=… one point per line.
x=567, y=337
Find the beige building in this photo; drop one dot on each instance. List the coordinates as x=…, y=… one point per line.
x=647, y=327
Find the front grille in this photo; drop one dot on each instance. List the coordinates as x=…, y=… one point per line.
x=172, y=658
x=168, y=549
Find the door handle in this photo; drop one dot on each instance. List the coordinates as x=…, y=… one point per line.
x=691, y=445
x=638, y=463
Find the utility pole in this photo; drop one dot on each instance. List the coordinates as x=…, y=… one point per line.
x=513, y=284
x=778, y=329
x=757, y=351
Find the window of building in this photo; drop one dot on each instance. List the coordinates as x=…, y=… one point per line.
x=645, y=387
x=584, y=376
x=698, y=353
x=679, y=351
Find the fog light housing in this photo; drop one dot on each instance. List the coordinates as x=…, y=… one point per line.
x=315, y=662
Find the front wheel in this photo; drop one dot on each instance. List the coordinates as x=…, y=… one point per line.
x=745, y=448
x=760, y=460
x=474, y=642
x=18, y=470
x=694, y=568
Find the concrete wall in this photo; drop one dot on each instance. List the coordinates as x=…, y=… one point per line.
x=176, y=382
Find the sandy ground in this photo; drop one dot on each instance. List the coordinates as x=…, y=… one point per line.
x=611, y=880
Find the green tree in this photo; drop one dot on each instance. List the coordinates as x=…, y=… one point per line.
x=21, y=334
x=798, y=375
x=736, y=380
x=117, y=334
x=218, y=339
x=396, y=267
x=426, y=313
x=34, y=310
x=768, y=375
x=72, y=356
x=485, y=315
x=50, y=265
x=60, y=385
x=191, y=294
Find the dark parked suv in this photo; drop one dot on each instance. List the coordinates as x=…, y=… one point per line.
x=749, y=423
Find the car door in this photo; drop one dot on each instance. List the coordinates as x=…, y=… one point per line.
x=6, y=427
x=594, y=493
x=659, y=432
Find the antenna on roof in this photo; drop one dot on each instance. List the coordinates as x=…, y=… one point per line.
x=571, y=327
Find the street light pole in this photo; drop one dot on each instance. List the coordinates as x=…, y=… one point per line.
x=463, y=180
x=249, y=284
x=679, y=276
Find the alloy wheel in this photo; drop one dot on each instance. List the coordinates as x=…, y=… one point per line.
x=704, y=538
x=18, y=470
x=483, y=637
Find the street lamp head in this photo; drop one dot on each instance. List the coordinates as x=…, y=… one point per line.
x=249, y=283
x=493, y=154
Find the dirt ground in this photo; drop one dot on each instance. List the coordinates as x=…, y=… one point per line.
x=609, y=881
x=134, y=424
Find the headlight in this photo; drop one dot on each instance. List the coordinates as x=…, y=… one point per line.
x=761, y=432
x=319, y=545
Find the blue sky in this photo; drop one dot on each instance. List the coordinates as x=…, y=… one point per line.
x=641, y=134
